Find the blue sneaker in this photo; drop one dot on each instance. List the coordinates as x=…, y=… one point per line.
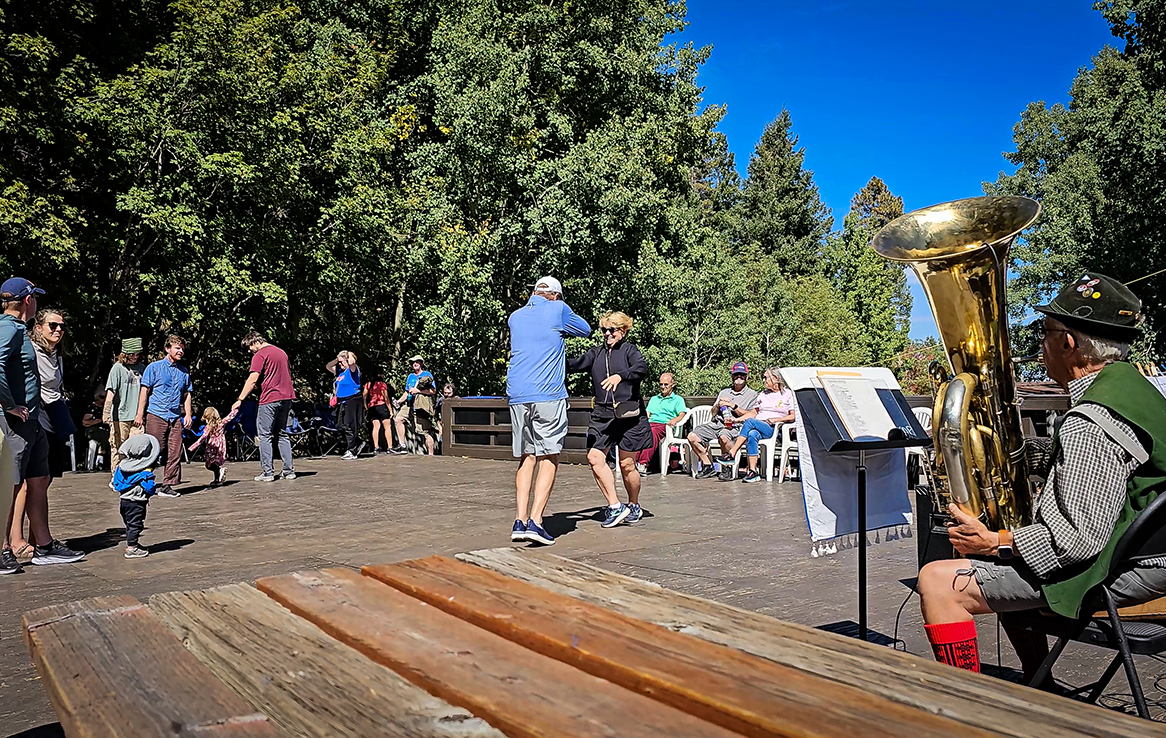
x=616, y=515
x=636, y=513
x=518, y=532
x=536, y=534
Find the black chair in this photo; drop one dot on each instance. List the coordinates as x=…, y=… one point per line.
x=1145, y=539
x=299, y=435
x=328, y=436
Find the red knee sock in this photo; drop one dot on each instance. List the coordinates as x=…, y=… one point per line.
x=955, y=644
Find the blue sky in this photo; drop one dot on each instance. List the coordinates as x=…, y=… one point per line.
x=921, y=94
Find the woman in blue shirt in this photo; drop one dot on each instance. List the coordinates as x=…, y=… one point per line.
x=349, y=403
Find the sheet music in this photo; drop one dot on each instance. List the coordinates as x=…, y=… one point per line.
x=858, y=406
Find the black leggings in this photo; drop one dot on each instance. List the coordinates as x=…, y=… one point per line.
x=351, y=417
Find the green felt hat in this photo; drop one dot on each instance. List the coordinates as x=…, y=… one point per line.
x=131, y=345
x=1098, y=305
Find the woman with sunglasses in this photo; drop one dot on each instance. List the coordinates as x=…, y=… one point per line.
x=48, y=336
x=617, y=417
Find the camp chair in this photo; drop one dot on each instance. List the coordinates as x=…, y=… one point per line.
x=243, y=432
x=1139, y=633
x=326, y=434
x=299, y=435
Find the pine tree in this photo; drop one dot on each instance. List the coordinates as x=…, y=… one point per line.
x=783, y=211
x=875, y=288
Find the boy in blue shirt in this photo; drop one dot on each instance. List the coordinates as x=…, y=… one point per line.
x=164, y=409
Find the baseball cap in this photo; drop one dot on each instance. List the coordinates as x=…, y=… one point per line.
x=548, y=284
x=19, y=287
x=739, y=368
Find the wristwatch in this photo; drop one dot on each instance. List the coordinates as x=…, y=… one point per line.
x=1005, y=550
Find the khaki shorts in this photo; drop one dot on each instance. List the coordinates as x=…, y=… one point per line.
x=1012, y=587
x=709, y=432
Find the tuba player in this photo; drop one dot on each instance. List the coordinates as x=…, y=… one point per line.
x=1104, y=465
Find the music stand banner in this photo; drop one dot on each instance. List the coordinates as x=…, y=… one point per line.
x=828, y=455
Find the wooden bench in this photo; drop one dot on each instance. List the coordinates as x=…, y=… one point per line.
x=502, y=642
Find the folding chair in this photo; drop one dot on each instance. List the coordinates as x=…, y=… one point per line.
x=327, y=435
x=298, y=434
x=244, y=432
x=1145, y=539
x=189, y=436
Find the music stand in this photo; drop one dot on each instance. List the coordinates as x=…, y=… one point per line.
x=823, y=420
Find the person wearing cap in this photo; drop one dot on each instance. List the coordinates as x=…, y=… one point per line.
x=1103, y=467
x=419, y=382
x=731, y=404
x=123, y=386
x=134, y=482
x=24, y=436
x=536, y=391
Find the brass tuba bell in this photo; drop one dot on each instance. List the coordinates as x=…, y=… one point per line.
x=959, y=250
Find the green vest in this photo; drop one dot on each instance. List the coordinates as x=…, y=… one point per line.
x=1122, y=390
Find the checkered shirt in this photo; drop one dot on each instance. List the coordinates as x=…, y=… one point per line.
x=1084, y=491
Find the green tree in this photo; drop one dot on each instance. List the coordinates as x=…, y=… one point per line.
x=783, y=211
x=875, y=288
x=1096, y=167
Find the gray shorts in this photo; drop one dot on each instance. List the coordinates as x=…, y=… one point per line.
x=538, y=427
x=29, y=445
x=1013, y=587
x=709, y=432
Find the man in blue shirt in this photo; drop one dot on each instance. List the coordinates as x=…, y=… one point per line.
x=165, y=393
x=537, y=391
x=414, y=385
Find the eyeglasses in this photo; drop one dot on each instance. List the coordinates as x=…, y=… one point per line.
x=54, y=326
x=666, y=384
x=1045, y=331
x=610, y=330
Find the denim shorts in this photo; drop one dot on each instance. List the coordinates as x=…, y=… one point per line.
x=1010, y=587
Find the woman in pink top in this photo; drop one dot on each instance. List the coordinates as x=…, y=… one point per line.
x=774, y=406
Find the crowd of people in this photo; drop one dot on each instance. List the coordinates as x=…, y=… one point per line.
x=620, y=419
x=145, y=411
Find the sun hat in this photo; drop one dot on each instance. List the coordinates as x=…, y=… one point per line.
x=1098, y=305
x=140, y=451
x=131, y=345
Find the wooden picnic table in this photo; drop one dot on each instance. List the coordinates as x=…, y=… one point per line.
x=501, y=642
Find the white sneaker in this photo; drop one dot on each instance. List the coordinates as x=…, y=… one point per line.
x=221, y=475
x=265, y=478
x=348, y=456
x=289, y=475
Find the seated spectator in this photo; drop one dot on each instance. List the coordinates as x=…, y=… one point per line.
x=664, y=410
x=774, y=406
x=731, y=404
x=448, y=392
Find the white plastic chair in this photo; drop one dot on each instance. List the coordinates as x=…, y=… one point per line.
x=768, y=449
x=696, y=416
x=789, y=447
x=923, y=415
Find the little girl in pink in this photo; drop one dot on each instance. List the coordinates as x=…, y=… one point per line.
x=215, y=451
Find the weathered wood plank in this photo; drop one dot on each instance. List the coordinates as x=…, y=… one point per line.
x=750, y=695
x=305, y=681
x=524, y=694
x=111, y=669
x=972, y=699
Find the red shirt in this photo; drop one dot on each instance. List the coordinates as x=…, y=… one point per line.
x=378, y=394
x=274, y=374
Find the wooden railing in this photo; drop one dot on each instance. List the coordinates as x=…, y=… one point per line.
x=480, y=427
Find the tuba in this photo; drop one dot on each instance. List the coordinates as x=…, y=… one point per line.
x=959, y=250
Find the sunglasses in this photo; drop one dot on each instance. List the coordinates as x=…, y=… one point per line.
x=610, y=330
x=54, y=326
x=666, y=384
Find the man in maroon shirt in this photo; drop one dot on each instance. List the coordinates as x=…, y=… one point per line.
x=269, y=369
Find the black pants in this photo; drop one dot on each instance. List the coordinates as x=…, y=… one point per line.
x=351, y=418
x=133, y=514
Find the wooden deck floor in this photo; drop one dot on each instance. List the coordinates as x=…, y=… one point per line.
x=745, y=545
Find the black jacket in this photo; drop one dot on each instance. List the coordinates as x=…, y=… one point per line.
x=623, y=359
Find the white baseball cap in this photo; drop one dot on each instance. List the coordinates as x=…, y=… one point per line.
x=548, y=284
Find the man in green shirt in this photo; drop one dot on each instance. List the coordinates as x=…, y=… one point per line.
x=122, y=389
x=665, y=410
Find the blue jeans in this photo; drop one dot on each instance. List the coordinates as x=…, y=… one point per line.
x=754, y=430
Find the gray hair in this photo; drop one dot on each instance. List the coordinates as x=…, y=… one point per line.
x=776, y=373
x=1098, y=350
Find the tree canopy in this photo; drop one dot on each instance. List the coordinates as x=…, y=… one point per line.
x=391, y=176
